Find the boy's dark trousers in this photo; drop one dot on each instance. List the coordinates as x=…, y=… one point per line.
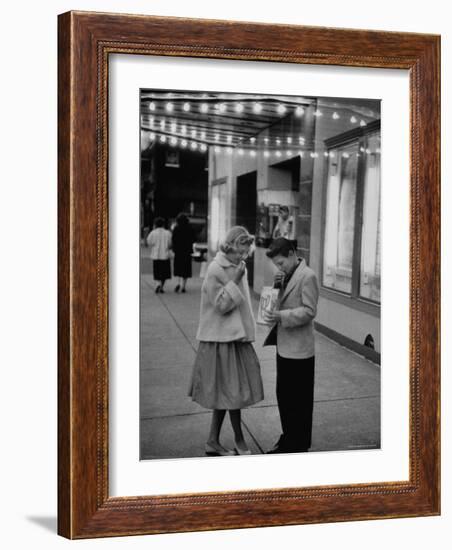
x=295, y=396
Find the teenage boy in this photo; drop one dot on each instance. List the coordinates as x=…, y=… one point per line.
x=293, y=335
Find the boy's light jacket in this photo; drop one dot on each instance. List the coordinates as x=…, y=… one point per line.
x=294, y=335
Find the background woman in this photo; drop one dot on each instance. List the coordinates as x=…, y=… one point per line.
x=159, y=243
x=182, y=243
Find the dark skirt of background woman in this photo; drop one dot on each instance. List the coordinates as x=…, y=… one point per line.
x=182, y=241
x=162, y=270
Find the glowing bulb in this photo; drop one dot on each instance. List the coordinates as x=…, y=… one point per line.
x=169, y=107
x=241, y=151
x=345, y=155
x=163, y=139
x=184, y=143
x=162, y=124
x=186, y=107
x=173, y=126
x=336, y=116
x=252, y=153
x=278, y=141
x=257, y=108
x=363, y=123
x=183, y=130
x=204, y=107
x=194, y=145
x=204, y=147
x=239, y=108
x=217, y=137
x=266, y=154
x=217, y=149
x=229, y=139
x=289, y=153
x=252, y=140
x=152, y=106
x=229, y=150
x=353, y=120
x=266, y=140
x=299, y=111
x=318, y=112
x=193, y=133
x=173, y=141
x=281, y=109
x=289, y=140
x=152, y=135
x=221, y=107
x=203, y=134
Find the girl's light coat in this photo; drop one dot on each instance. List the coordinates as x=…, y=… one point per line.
x=225, y=313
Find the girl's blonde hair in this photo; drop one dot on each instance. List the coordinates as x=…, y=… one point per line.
x=235, y=236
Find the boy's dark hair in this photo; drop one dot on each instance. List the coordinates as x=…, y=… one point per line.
x=159, y=222
x=280, y=247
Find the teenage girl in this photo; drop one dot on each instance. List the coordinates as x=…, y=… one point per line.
x=226, y=374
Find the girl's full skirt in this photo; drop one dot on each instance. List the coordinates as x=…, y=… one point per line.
x=226, y=375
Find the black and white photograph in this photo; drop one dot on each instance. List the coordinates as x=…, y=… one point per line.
x=260, y=263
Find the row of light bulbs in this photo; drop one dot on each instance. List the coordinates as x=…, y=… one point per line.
x=195, y=146
x=221, y=108
x=229, y=138
x=201, y=134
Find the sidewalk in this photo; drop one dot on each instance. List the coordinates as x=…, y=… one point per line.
x=347, y=388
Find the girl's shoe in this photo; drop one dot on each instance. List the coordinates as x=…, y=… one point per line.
x=158, y=289
x=177, y=288
x=183, y=290
x=217, y=450
x=241, y=450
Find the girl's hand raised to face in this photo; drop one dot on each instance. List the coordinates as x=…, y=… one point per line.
x=239, y=272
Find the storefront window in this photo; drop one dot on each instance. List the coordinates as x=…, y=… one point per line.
x=340, y=218
x=370, y=242
x=351, y=255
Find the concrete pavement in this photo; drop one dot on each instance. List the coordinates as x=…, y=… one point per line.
x=347, y=387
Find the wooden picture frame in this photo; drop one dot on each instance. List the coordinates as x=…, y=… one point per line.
x=85, y=42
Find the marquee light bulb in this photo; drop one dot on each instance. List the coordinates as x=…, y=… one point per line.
x=299, y=111
x=257, y=108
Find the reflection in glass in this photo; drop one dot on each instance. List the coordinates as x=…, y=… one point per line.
x=370, y=243
x=340, y=218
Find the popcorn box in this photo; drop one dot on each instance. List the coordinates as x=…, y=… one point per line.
x=267, y=302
